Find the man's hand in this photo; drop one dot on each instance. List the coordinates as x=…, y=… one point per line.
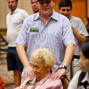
x=29, y=72
x=58, y=74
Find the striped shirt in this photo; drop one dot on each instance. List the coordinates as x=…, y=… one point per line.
x=55, y=35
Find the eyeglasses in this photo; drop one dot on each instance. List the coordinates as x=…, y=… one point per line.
x=47, y=2
x=36, y=67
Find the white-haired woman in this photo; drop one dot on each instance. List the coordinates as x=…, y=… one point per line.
x=42, y=64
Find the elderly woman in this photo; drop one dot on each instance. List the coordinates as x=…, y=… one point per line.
x=42, y=64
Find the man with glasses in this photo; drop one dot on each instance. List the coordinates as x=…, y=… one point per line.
x=78, y=28
x=46, y=29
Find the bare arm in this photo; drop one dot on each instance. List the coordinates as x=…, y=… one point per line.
x=23, y=58
x=78, y=36
x=67, y=59
x=68, y=54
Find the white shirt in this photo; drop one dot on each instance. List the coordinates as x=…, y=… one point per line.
x=74, y=81
x=14, y=22
x=79, y=26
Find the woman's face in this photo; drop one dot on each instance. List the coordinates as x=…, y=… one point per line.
x=84, y=63
x=38, y=68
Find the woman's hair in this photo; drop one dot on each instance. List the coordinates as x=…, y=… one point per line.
x=45, y=55
x=85, y=48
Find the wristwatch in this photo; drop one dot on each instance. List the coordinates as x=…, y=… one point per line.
x=62, y=67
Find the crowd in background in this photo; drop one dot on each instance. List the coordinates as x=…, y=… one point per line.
x=45, y=44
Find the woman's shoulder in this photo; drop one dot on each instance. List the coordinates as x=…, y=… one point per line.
x=77, y=74
x=52, y=84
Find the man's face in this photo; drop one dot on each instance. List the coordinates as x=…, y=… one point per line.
x=65, y=11
x=34, y=4
x=46, y=7
x=12, y=4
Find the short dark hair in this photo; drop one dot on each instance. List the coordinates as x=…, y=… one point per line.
x=65, y=3
x=16, y=0
x=85, y=48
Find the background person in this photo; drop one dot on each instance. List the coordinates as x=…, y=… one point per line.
x=78, y=28
x=46, y=29
x=42, y=64
x=81, y=78
x=14, y=22
x=86, y=22
x=34, y=4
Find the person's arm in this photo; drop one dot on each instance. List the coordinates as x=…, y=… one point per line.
x=22, y=55
x=67, y=59
x=78, y=36
x=68, y=54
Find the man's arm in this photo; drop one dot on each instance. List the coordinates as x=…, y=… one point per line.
x=23, y=58
x=68, y=54
x=67, y=59
x=78, y=36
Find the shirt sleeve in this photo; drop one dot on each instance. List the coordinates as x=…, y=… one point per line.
x=21, y=39
x=25, y=14
x=68, y=37
x=82, y=29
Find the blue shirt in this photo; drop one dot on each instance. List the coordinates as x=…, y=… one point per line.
x=55, y=35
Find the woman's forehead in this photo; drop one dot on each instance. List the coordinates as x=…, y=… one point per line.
x=36, y=61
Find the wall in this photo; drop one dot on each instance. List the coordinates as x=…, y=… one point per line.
x=78, y=8
x=24, y=4
x=87, y=8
